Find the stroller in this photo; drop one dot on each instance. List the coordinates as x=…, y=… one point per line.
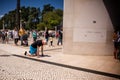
x=25, y=40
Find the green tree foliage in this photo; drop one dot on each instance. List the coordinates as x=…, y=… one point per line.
x=34, y=18
x=41, y=26
x=51, y=16
x=47, y=8
x=24, y=12
x=51, y=19
x=9, y=20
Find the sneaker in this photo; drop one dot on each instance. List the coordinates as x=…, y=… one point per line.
x=25, y=53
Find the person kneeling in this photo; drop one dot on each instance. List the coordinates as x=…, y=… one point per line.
x=34, y=48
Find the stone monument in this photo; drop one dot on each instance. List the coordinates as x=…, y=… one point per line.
x=87, y=28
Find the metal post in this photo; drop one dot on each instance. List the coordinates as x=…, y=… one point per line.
x=18, y=14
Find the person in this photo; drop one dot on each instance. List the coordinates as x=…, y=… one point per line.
x=116, y=41
x=0, y=35
x=60, y=36
x=15, y=36
x=6, y=36
x=34, y=48
x=118, y=48
x=21, y=33
x=3, y=36
x=34, y=35
x=47, y=35
x=25, y=39
x=51, y=40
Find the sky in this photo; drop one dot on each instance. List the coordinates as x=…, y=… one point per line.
x=8, y=5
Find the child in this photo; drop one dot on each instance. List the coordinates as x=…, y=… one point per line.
x=51, y=40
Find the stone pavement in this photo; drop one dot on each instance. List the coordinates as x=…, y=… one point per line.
x=97, y=65
x=18, y=68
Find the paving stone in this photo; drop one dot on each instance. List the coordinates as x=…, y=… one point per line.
x=15, y=68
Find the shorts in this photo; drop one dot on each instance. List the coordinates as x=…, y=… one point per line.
x=32, y=50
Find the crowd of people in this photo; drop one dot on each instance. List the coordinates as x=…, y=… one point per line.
x=5, y=36
x=39, y=39
x=22, y=35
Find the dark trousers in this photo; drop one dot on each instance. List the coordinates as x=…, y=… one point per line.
x=16, y=40
x=59, y=41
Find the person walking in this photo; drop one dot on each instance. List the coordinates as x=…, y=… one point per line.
x=115, y=41
x=6, y=36
x=15, y=36
x=47, y=36
x=3, y=36
x=60, y=36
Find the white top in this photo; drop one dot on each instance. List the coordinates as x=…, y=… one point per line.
x=15, y=34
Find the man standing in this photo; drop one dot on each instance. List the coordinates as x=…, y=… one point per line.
x=22, y=32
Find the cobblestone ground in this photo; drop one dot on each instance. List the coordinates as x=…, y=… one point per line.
x=15, y=68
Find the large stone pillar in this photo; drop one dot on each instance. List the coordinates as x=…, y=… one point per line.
x=87, y=28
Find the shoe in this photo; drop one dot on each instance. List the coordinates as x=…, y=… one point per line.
x=25, y=53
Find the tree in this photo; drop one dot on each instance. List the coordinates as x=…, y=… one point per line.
x=41, y=26
x=52, y=18
x=33, y=18
x=46, y=8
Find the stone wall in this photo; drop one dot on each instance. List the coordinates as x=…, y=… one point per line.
x=87, y=28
